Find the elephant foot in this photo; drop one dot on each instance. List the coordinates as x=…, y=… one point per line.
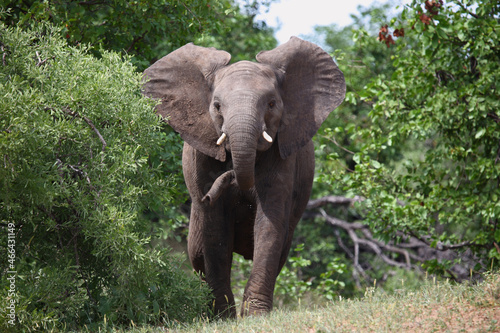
x=226, y=313
x=255, y=307
x=224, y=307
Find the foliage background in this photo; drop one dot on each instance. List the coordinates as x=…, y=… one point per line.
x=442, y=100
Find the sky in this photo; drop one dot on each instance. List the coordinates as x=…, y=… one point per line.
x=298, y=17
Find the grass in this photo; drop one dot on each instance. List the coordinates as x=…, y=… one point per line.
x=435, y=307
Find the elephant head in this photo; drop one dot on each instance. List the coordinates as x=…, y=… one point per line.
x=246, y=107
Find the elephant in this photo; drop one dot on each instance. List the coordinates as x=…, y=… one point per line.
x=248, y=155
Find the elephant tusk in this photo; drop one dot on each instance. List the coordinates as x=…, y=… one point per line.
x=221, y=139
x=267, y=137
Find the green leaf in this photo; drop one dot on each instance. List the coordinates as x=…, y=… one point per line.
x=480, y=133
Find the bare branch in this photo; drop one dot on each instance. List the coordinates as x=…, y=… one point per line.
x=341, y=223
x=411, y=250
x=376, y=246
x=40, y=61
x=87, y=120
x=361, y=236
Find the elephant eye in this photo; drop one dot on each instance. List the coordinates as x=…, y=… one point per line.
x=217, y=106
x=272, y=104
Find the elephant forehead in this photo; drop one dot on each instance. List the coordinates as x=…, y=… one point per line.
x=246, y=71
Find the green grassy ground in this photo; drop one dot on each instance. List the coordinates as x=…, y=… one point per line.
x=435, y=307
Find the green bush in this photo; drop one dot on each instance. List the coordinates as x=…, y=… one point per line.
x=80, y=163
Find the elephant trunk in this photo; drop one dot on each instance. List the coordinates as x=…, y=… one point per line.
x=243, y=135
x=220, y=184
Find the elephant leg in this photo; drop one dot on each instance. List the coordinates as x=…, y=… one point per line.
x=211, y=232
x=210, y=249
x=195, y=242
x=270, y=235
x=276, y=218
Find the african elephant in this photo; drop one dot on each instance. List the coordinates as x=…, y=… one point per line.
x=248, y=157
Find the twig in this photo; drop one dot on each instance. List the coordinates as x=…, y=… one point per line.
x=135, y=41
x=441, y=247
x=75, y=169
x=7, y=159
x=40, y=61
x=194, y=15
x=4, y=55
x=337, y=144
x=89, y=122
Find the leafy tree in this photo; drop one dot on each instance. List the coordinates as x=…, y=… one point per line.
x=243, y=37
x=444, y=95
x=144, y=29
x=79, y=150
x=147, y=30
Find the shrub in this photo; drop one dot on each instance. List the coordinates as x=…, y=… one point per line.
x=79, y=148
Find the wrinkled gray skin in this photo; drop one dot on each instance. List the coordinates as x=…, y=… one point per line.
x=248, y=194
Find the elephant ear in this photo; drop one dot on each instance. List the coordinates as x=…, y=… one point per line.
x=313, y=86
x=182, y=81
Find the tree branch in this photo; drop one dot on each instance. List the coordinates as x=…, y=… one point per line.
x=194, y=15
x=370, y=242
x=79, y=172
x=4, y=55
x=135, y=41
x=89, y=122
x=337, y=144
x=40, y=61
x=468, y=11
x=334, y=201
